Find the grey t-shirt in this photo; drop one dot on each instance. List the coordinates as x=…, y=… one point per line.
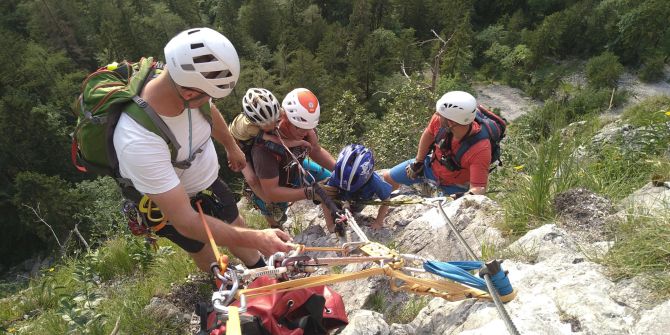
x=269, y=164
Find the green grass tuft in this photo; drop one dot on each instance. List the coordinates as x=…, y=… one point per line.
x=642, y=248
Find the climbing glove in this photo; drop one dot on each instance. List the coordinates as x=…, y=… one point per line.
x=414, y=169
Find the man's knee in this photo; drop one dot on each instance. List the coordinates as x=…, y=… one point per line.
x=386, y=174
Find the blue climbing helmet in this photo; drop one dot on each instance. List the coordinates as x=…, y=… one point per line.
x=353, y=168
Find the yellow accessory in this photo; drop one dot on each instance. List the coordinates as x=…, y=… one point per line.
x=152, y=213
x=112, y=66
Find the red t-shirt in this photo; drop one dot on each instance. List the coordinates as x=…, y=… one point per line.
x=475, y=162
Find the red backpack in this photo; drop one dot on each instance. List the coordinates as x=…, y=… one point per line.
x=308, y=311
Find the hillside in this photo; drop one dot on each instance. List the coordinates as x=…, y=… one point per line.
x=578, y=210
x=562, y=268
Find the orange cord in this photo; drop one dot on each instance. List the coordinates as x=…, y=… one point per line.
x=222, y=260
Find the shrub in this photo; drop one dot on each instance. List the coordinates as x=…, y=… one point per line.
x=652, y=69
x=572, y=104
x=396, y=137
x=604, y=70
x=650, y=111
x=347, y=124
x=52, y=200
x=99, y=215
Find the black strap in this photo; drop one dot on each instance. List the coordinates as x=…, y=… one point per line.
x=312, y=322
x=272, y=146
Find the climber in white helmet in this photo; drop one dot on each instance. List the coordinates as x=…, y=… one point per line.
x=436, y=159
x=282, y=173
x=200, y=65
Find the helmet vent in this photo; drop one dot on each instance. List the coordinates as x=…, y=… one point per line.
x=187, y=67
x=197, y=45
x=226, y=86
x=217, y=74
x=448, y=105
x=193, y=31
x=203, y=58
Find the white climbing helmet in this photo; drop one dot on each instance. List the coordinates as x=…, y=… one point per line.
x=302, y=108
x=261, y=106
x=203, y=58
x=457, y=106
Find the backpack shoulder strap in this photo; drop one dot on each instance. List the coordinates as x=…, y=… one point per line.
x=440, y=136
x=468, y=142
x=147, y=117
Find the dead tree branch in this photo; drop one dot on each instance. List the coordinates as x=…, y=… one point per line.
x=62, y=246
x=435, y=69
x=40, y=219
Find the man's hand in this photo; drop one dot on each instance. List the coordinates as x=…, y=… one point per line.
x=271, y=241
x=307, y=145
x=236, y=159
x=311, y=194
x=414, y=169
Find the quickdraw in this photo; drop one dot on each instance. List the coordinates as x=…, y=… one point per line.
x=137, y=220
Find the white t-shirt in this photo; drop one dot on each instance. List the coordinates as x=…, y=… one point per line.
x=144, y=157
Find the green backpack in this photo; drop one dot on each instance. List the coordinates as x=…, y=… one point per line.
x=105, y=94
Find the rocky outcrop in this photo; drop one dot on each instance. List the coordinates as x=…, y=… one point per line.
x=649, y=199
x=430, y=237
x=560, y=290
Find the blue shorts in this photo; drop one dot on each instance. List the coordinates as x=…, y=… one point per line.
x=399, y=175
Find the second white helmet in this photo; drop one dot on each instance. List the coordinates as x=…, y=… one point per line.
x=261, y=106
x=203, y=58
x=302, y=108
x=457, y=106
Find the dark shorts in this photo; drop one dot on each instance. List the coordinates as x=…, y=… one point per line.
x=217, y=201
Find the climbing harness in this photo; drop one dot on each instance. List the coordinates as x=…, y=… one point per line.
x=339, y=218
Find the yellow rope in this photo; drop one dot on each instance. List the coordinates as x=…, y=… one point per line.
x=440, y=288
x=307, y=282
x=233, y=326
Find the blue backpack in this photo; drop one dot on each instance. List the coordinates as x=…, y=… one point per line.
x=492, y=128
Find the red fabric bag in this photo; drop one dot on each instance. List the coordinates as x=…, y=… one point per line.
x=314, y=310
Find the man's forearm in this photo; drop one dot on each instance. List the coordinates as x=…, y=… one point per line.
x=229, y=235
x=323, y=158
x=285, y=194
x=223, y=233
x=424, y=145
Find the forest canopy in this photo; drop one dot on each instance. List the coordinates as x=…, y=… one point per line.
x=376, y=66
